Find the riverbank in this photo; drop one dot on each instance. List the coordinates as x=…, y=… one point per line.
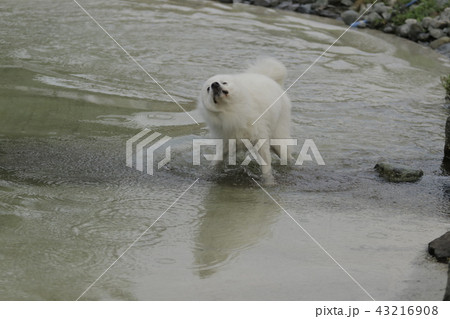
x=424, y=21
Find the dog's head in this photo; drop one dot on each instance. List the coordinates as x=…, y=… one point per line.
x=217, y=92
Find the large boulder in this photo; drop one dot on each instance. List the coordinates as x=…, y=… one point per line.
x=403, y=30
x=398, y=173
x=349, y=16
x=440, y=248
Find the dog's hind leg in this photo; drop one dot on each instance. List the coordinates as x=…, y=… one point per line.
x=282, y=133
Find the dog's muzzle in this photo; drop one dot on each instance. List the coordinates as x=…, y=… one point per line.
x=217, y=91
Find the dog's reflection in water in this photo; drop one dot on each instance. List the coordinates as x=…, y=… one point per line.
x=234, y=219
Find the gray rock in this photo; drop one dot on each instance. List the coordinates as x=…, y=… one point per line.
x=398, y=173
x=411, y=21
x=389, y=28
x=438, y=23
x=267, y=3
x=403, y=30
x=380, y=8
x=373, y=18
x=285, y=5
x=445, y=15
x=441, y=41
x=414, y=31
x=362, y=8
x=387, y=15
x=426, y=22
x=347, y=3
x=349, y=16
x=440, y=248
x=361, y=25
x=304, y=8
x=320, y=4
x=436, y=33
x=328, y=13
x=424, y=36
x=447, y=291
x=445, y=50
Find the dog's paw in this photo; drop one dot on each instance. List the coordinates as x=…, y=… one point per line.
x=269, y=180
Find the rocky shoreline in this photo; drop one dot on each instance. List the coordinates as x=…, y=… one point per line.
x=424, y=21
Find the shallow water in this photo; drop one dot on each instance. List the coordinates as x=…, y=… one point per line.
x=69, y=206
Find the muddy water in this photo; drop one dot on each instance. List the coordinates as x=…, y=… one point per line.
x=69, y=206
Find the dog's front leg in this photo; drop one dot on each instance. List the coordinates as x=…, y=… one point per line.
x=266, y=169
x=219, y=162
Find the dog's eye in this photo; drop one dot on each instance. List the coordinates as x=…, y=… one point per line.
x=207, y=90
x=224, y=83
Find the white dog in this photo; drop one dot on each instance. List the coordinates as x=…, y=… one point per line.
x=230, y=104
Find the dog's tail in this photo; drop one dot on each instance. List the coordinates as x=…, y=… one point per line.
x=270, y=67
